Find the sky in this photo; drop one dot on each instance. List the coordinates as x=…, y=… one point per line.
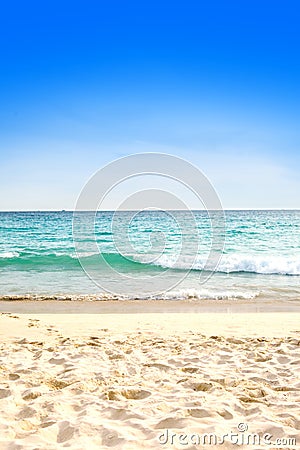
x=216, y=83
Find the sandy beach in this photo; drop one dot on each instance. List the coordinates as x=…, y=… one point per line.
x=140, y=380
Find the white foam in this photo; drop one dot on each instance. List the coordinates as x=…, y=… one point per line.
x=266, y=264
x=260, y=264
x=9, y=255
x=206, y=294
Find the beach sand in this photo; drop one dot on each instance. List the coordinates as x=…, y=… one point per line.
x=139, y=380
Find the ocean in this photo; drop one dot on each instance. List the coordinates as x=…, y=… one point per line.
x=151, y=254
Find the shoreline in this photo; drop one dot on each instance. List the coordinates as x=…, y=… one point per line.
x=116, y=306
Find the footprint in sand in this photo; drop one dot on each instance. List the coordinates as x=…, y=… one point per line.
x=57, y=432
x=13, y=376
x=199, y=413
x=4, y=393
x=66, y=432
x=123, y=414
x=171, y=422
x=26, y=412
x=57, y=361
x=8, y=314
x=225, y=414
x=33, y=323
x=130, y=394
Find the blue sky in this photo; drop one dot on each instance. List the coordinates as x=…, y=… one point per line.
x=217, y=83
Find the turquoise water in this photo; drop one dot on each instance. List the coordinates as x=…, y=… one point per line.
x=261, y=255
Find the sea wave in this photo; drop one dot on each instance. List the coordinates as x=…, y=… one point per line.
x=71, y=261
x=229, y=263
x=267, y=265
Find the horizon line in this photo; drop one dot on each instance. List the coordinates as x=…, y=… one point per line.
x=149, y=210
